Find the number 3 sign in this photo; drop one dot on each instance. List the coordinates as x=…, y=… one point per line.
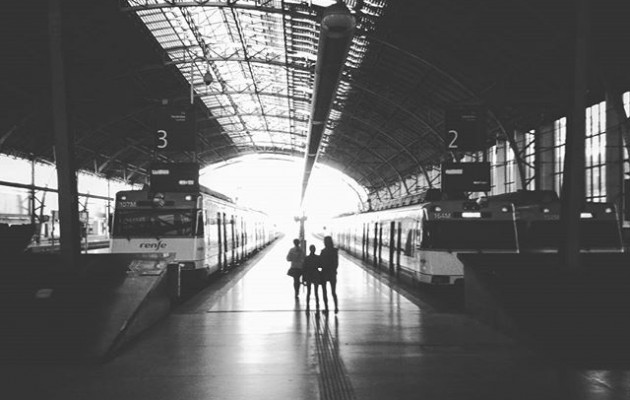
x=175, y=130
x=162, y=139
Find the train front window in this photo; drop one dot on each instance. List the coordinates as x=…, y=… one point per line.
x=158, y=223
x=457, y=234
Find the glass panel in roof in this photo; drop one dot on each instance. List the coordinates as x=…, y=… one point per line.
x=260, y=55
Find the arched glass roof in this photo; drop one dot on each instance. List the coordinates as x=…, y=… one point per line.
x=260, y=56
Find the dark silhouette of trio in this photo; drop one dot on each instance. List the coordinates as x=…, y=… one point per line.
x=315, y=270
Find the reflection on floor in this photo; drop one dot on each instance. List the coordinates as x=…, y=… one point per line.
x=248, y=338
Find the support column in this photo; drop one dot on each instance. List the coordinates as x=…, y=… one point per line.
x=32, y=199
x=64, y=146
x=520, y=177
x=574, y=161
x=614, y=152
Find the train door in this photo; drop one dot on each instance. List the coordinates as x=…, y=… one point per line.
x=375, y=245
x=365, y=244
x=392, y=245
x=398, y=246
x=225, y=242
x=200, y=241
x=244, y=238
x=220, y=242
x=380, y=244
x=244, y=250
x=237, y=238
x=232, y=239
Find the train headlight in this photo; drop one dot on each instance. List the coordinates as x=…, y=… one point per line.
x=470, y=214
x=123, y=197
x=505, y=209
x=545, y=210
x=158, y=200
x=586, y=215
x=608, y=210
x=188, y=197
x=437, y=208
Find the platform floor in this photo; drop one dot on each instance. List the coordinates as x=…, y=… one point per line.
x=246, y=337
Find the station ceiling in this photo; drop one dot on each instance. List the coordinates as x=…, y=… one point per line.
x=408, y=62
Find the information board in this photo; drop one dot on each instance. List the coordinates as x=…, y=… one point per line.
x=465, y=128
x=175, y=130
x=465, y=177
x=179, y=177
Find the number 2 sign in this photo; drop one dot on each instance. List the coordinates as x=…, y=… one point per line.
x=453, y=145
x=465, y=128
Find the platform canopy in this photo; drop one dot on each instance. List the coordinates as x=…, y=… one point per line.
x=251, y=65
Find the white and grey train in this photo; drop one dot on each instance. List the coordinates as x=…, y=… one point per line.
x=420, y=242
x=205, y=230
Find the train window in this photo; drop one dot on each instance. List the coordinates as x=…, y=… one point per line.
x=159, y=223
x=200, y=225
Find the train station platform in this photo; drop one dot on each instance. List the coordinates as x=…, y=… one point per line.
x=247, y=337
x=93, y=242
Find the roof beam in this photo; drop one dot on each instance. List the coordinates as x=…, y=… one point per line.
x=239, y=30
x=201, y=41
x=141, y=5
x=373, y=153
x=235, y=58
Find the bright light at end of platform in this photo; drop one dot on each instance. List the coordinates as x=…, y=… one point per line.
x=273, y=184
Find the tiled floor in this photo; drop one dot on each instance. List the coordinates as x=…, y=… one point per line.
x=250, y=339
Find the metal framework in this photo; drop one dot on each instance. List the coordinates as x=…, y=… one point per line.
x=251, y=67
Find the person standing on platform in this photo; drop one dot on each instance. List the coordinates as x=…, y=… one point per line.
x=311, y=276
x=296, y=257
x=329, y=259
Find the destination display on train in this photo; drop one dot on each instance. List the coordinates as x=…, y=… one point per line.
x=466, y=177
x=180, y=177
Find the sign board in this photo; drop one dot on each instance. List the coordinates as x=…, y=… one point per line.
x=175, y=130
x=465, y=128
x=466, y=177
x=180, y=177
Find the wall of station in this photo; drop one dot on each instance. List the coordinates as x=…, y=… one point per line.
x=541, y=152
x=96, y=199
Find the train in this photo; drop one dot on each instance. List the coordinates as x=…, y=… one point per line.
x=537, y=216
x=420, y=241
x=205, y=230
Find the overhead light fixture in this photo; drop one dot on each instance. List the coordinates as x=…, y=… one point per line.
x=207, y=78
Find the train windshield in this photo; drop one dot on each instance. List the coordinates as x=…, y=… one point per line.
x=468, y=235
x=157, y=222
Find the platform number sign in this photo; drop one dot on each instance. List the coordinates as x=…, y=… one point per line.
x=162, y=139
x=465, y=128
x=175, y=130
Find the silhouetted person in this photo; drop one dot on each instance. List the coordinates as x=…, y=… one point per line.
x=296, y=257
x=329, y=260
x=310, y=275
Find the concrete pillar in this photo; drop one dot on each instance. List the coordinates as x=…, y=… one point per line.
x=64, y=146
x=573, y=184
x=614, y=153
